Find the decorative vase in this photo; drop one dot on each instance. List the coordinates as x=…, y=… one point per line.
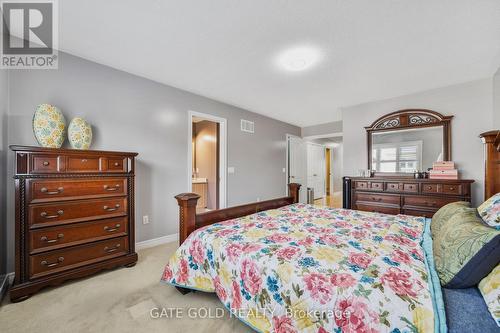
x=79, y=133
x=49, y=126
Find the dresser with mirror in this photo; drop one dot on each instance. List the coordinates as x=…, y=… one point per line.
x=402, y=147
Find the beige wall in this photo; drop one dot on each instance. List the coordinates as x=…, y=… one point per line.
x=205, y=157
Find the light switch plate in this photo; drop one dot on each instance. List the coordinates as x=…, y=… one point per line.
x=230, y=169
x=145, y=219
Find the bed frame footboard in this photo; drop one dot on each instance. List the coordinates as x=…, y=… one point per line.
x=189, y=220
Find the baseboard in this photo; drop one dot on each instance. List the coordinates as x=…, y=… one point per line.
x=157, y=241
x=5, y=282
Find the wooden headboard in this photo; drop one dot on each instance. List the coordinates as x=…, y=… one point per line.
x=491, y=140
x=189, y=220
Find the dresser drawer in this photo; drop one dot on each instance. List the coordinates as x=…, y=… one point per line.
x=381, y=198
x=41, y=163
x=83, y=164
x=51, y=238
x=410, y=187
x=361, y=185
x=75, y=211
x=379, y=186
x=430, y=188
x=44, y=190
x=427, y=201
x=377, y=209
x=392, y=187
x=117, y=165
x=64, y=259
x=415, y=212
x=451, y=188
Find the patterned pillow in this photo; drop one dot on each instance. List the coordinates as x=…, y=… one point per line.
x=465, y=250
x=490, y=288
x=490, y=211
x=445, y=213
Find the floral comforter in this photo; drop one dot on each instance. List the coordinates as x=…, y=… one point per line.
x=304, y=268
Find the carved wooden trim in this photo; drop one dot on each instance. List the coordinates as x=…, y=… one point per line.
x=491, y=140
x=189, y=220
x=411, y=118
x=408, y=118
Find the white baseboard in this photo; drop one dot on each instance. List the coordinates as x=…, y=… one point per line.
x=157, y=241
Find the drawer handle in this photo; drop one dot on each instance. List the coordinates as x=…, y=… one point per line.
x=112, y=188
x=112, y=249
x=46, y=240
x=111, y=209
x=46, y=163
x=46, y=216
x=429, y=187
x=84, y=160
x=46, y=263
x=117, y=164
x=376, y=199
x=108, y=229
x=452, y=188
x=46, y=190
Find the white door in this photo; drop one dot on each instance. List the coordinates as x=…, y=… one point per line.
x=316, y=169
x=297, y=164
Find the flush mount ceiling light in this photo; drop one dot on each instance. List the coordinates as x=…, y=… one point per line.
x=298, y=58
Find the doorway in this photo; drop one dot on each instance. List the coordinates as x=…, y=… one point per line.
x=331, y=171
x=207, y=160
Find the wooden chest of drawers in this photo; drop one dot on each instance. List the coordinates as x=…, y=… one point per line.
x=418, y=197
x=74, y=215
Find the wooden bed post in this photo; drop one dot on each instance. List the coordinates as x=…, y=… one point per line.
x=187, y=214
x=293, y=189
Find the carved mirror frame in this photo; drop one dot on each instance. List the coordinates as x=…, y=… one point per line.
x=407, y=119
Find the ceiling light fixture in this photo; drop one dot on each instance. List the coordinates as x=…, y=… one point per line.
x=298, y=58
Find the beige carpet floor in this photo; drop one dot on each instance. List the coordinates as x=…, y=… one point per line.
x=119, y=300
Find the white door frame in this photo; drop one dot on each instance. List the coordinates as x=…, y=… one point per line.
x=222, y=153
x=287, y=159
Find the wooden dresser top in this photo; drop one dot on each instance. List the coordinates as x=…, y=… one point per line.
x=67, y=151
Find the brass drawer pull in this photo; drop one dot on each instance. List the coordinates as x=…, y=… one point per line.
x=452, y=188
x=108, y=229
x=46, y=240
x=46, y=263
x=117, y=164
x=109, y=209
x=46, y=163
x=46, y=190
x=112, y=188
x=112, y=249
x=46, y=216
x=429, y=187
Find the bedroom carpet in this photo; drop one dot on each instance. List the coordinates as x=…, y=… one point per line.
x=119, y=301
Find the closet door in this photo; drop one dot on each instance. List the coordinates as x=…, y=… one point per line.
x=297, y=165
x=316, y=169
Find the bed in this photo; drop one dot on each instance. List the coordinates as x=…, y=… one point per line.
x=282, y=266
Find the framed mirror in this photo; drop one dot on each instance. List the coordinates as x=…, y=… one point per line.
x=403, y=142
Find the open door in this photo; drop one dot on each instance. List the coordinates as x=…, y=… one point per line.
x=297, y=164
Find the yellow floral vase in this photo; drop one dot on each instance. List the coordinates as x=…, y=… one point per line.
x=80, y=133
x=49, y=126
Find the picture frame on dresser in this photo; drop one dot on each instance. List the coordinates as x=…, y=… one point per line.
x=74, y=215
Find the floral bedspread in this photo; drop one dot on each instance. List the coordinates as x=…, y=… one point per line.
x=304, y=268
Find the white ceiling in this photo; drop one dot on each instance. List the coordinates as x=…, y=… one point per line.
x=225, y=49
